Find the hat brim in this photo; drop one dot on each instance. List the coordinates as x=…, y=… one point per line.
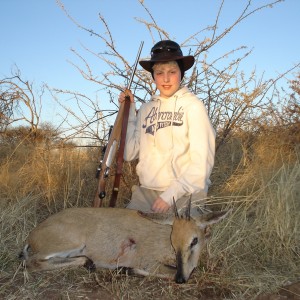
x=187, y=62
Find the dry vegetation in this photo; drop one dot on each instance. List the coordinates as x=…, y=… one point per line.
x=254, y=251
x=257, y=173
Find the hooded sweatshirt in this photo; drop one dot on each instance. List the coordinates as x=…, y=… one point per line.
x=174, y=141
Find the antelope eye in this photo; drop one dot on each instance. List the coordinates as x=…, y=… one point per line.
x=194, y=242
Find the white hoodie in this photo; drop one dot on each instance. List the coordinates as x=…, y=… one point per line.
x=175, y=143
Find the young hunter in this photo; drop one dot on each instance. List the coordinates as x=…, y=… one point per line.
x=171, y=136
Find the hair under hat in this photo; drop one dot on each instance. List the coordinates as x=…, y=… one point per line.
x=165, y=51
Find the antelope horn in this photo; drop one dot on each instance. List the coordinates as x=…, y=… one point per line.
x=175, y=209
x=188, y=209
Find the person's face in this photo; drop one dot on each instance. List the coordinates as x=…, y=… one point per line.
x=167, y=77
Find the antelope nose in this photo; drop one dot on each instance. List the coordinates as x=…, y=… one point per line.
x=180, y=279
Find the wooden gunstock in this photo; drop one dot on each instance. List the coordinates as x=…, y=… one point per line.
x=120, y=159
x=109, y=155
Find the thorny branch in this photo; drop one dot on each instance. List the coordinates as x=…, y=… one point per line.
x=234, y=100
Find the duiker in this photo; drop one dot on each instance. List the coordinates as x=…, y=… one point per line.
x=117, y=237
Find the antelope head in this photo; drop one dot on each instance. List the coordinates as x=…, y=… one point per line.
x=188, y=239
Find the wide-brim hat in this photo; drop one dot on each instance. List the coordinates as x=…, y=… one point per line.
x=164, y=51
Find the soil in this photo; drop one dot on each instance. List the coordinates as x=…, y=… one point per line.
x=290, y=292
x=109, y=286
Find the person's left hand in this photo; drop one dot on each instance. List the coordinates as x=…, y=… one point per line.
x=160, y=206
x=128, y=93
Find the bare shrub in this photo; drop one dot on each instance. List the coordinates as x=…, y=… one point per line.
x=19, y=102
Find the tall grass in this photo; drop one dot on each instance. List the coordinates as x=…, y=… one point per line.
x=254, y=250
x=258, y=248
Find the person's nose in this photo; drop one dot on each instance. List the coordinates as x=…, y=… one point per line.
x=166, y=77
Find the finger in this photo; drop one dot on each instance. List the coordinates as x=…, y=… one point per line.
x=155, y=208
x=129, y=94
x=121, y=97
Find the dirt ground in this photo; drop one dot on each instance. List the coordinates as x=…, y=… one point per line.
x=291, y=292
x=108, y=286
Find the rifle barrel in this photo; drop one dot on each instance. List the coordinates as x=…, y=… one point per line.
x=135, y=65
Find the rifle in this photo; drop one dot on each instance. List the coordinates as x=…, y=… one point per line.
x=116, y=141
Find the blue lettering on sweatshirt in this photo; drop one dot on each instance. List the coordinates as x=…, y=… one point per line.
x=162, y=119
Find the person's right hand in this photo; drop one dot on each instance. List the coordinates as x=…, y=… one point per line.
x=128, y=93
x=160, y=206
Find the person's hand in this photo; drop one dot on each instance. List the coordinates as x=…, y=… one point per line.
x=124, y=94
x=160, y=206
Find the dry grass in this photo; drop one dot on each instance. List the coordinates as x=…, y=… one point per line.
x=255, y=250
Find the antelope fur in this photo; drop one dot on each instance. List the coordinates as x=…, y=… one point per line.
x=148, y=244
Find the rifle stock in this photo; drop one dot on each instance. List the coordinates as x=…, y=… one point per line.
x=108, y=158
x=116, y=143
x=120, y=159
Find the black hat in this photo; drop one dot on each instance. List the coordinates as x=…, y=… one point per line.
x=167, y=50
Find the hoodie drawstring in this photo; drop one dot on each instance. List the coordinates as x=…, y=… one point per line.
x=172, y=120
x=156, y=121
x=173, y=116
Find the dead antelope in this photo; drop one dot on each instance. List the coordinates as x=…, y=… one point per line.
x=117, y=237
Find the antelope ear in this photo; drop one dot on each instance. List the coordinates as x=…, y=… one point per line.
x=159, y=218
x=211, y=218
